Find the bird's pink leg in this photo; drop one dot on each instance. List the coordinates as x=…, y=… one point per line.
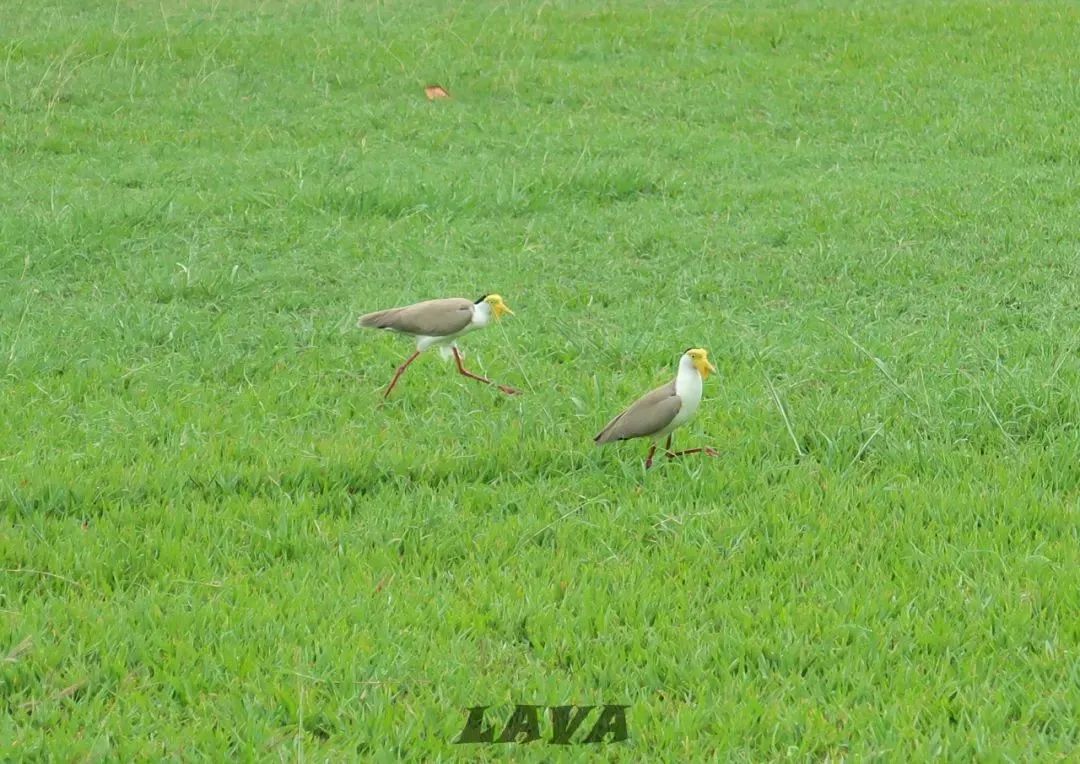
x=703, y=450
x=400, y=370
x=465, y=372
x=648, y=459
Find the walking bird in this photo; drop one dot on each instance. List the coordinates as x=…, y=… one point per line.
x=439, y=323
x=658, y=413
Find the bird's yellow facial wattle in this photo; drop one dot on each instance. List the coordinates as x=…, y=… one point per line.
x=498, y=307
x=700, y=359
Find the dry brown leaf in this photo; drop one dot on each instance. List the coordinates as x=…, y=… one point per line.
x=68, y=691
x=435, y=91
x=19, y=649
x=379, y=586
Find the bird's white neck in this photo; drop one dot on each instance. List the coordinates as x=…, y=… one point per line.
x=481, y=315
x=688, y=381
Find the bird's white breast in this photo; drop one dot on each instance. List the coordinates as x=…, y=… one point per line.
x=481, y=316
x=688, y=387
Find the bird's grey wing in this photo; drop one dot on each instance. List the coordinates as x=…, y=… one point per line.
x=432, y=318
x=646, y=416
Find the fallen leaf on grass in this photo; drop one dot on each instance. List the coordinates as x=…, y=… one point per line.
x=19, y=649
x=379, y=586
x=67, y=692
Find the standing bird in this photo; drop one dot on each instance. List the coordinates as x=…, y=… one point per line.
x=438, y=323
x=669, y=406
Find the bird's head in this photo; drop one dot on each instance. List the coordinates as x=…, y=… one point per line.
x=495, y=302
x=699, y=357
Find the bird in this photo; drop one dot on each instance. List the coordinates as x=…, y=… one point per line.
x=439, y=323
x=666, y=408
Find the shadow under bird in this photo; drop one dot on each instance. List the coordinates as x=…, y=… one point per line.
x=666, y=408
x=439, y=323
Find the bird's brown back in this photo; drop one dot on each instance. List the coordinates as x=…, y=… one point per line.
x=431, y=318
x=648, y=415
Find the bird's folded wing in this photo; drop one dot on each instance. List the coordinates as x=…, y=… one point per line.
x=433, y=318
x=646, y=416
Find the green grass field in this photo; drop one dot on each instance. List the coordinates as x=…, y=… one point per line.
x=215, y=544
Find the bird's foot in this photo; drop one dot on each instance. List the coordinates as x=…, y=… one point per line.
x=702, y=450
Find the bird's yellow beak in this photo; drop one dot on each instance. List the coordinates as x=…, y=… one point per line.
x=500, y=309
x=702, y=364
